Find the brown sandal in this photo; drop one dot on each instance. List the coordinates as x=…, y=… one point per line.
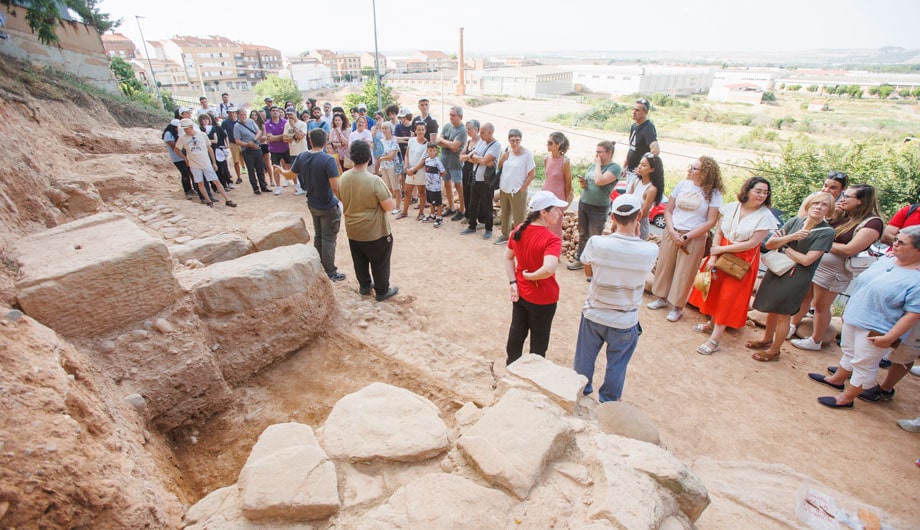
x=758, y=344
x=765, y=357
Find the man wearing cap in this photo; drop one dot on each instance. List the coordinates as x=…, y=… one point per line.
x=246, y=135
x=223, y=107
x=201, y=160
x=431, y=124
x=451, y=141
x=279, y=151
x=618, y=265
x=184, y=113
x=362, y=111
x=228, y=123
x=643, y=138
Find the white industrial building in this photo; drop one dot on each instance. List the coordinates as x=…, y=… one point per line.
x=526, y=81
x=640, y=79
x=741, y=86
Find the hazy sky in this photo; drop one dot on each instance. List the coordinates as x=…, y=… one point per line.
x=496, y=27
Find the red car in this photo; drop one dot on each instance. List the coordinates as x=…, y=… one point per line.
x=655, y=215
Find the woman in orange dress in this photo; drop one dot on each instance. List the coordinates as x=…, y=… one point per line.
x=743, y=227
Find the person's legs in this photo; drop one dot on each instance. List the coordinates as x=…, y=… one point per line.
x=517, y=332
x=326, y=224
x=664, y=268
x=211, y=177
x=806, y=305
x=504, y=202
x=685, y=268
x=361, y=263
x=822, y=301
x=466, y=201
x=582, y=230
x=621, y=343
x=518, y=207
x=540, y=322
x=185, y=176
x=378, y=253
x=587, y=346
x=448, y=191
x=456, y=177
x=249, y=159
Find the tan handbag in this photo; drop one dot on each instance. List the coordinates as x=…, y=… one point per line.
x=348, y=163
x=732, y=265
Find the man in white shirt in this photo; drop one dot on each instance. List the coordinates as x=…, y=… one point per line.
x=618, y=265
x=200, y=159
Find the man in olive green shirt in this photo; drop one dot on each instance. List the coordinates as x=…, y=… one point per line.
x=594, y=203
x=366, y=201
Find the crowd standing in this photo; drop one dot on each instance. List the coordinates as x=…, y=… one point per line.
x=364, y=169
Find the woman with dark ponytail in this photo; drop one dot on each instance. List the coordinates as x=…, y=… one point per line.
x=530, y=264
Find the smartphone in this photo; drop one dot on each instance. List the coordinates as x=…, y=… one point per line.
x=873, y=333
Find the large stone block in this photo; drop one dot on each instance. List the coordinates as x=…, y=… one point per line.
x=94, y=275
x=442, y=501
x=563, y=385
x=384, y=421
x=261, y=307
x=278, y=229
x=515, y=439
x=214, y=249
x=625, y=419
x=281, y=436
x=296, y=483
x=628, y=498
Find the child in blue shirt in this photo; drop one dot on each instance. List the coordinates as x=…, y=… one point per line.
x=434, y=173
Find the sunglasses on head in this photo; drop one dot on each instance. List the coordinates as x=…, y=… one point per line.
x=839, y=176
x=644, y=102
x=649, y=156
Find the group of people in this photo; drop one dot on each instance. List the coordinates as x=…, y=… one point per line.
x=365, y=168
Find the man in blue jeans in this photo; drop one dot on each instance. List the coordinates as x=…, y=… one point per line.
x=318, y=174
x=617, y=265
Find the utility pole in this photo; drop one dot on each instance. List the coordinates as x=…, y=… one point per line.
x=153, y=74
x=377, y=59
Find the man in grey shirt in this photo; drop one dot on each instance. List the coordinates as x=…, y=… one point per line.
x=484, y=157
x=451, y=141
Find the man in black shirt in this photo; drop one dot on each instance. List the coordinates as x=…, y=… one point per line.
x=431, y=124
x=643, y=138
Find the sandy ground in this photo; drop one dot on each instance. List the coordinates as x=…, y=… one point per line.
x=725, y=406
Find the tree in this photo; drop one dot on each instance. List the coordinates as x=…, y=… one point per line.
x=368, y=96
x=884, y=91
x=43, y=15
x=904, y=92
x=276, y=88
x=915, y=92
x=368, y=71
x=812, y=88
x=124, y=74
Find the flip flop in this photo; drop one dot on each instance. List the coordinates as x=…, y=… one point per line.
x=765, y=357
x=818, y=378
x=758, y=344
x=831, y=401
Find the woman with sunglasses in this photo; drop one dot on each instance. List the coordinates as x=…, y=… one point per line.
x=558, y=171
x=857, y=224
x=693, y=209
x=745, y=224
x=649, y=187
x=883, y=308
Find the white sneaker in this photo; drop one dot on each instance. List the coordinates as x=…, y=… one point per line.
x=806, y=344
x=286, y=183
x=278, y=190
x=658, y=303
x=396, y=211
x=675, y=314
x=915, y=371
x=910, y=425
x=791, y=333
x=299, y=191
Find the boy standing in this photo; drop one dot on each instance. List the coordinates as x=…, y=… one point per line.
x=434, y=172
x=200, y=159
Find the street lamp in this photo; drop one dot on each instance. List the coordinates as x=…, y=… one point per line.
x=149, y=63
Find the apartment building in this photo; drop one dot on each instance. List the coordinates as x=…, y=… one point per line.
x=117, y=45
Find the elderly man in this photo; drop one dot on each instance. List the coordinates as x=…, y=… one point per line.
x=366, y=201
x=484, y=158
x=245, y=134
x=594, y=202
x=451, y=141
x=643, y=138
x=617, y=265
x=199, y=156
x=431, y=124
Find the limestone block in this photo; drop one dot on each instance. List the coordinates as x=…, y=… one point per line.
x=262, y=307
x=664, y=468
x=360, y=488
x=208, y=250
x=296, y=483
x=384, y=421
x=217, y=509
x=281, y=436
x=628, y=498
x=624, y=419
x=94, y=275
x=467, y=414
x=442, y=501
x=277, y=230
x=515, y=439
x=558, y=383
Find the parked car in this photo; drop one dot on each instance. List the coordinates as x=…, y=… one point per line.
x=655, y=215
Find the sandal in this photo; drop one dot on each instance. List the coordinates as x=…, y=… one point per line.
x=705, y=327
x=758, y=344
x=765, y=357
x=403, y=215
x=708, y=348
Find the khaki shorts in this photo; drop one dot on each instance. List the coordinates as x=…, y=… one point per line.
x=909, y=350
x=235, y=152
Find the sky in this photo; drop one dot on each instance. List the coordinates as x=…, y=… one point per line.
x=532, y=26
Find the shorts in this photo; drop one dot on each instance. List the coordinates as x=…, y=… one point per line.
x=419, y=179
x=200, y=175
x=263, y=148
x=909, y=350
x=454, y=175
x=235, y=152
x=389, y=176
x=277, y=157
x=831, y=273
x=433, y=197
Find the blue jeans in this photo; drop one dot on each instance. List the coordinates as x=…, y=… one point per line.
x=326, y=225
x=621, y=343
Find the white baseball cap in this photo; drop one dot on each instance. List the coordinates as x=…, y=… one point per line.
x=620, y=203
x=542, y=200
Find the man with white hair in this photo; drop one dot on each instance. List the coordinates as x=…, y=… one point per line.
x=201, y=160
x=617, y=265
